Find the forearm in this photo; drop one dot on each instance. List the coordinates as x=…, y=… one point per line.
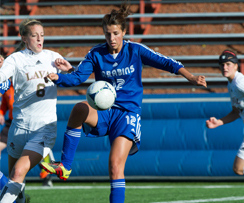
x=185, y=73
x=195, y=80
x=69, y=80
x=232, y=116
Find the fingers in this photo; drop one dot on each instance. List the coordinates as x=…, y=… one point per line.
x=212, y=122
x=51, y=77
x=201, y=81
x=47, y=79
x=59, y=61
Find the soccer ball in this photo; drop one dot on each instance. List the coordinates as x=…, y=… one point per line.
x=101, y=95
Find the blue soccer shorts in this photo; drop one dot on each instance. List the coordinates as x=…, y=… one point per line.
x=115, y=122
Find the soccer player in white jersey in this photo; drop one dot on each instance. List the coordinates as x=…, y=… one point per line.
x=118, y=62
x=228, y=62
x=33, y=130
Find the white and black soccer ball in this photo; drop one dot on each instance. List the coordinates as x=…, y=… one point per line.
x=101, y=95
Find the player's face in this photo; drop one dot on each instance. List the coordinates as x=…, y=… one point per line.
x=114, y=37
x=35, y=38
x=229, y=69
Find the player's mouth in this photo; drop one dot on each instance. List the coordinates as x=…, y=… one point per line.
x=113, y=44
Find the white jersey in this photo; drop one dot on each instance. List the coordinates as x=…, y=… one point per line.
x=236, y=91
x=34, y=100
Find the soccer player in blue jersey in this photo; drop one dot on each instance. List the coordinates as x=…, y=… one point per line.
x=118, y=62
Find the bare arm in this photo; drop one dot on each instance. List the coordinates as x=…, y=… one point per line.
x=214, y=123
x=195, y=80
x=1, y=61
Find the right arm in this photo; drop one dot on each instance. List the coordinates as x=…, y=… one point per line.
x=214, y=123
x=1, y=60
x=3, y=110
x=75, y=78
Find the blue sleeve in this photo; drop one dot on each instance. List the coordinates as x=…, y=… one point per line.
x=77, y=77
x=5, y=86
x=157, y=60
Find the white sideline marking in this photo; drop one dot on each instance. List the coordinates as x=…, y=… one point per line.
x=224, y=199
x=129, y=187
x=164, y=100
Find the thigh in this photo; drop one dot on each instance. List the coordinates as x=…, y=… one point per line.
x=83, y=113
x=238, y=165
x=120, y=149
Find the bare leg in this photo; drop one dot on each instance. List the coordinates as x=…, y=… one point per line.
x=118, y=156
x=238, y=166
x=2, y=146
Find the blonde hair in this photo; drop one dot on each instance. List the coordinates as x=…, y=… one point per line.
x=24, y=30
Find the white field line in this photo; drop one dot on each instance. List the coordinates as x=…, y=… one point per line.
x=130, y=187
x=164, y=100
x=224, y=199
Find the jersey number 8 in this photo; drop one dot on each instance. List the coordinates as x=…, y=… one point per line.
x=40, y=90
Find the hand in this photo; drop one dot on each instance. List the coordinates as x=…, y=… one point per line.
x=51, y=77
x=1, y=60
x=195, y=80
x=198, y=80
x=63, y=65
x=213, y=123
x=2, y=119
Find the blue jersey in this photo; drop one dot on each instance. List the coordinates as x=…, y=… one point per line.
x=123, y=72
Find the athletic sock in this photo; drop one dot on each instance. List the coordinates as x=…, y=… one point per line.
x=21, y=196
x=10, y=192
x=3, y=180
x=117, y=194
x=71, y=141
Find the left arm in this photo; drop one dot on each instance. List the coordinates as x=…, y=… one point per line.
x=1, y=60
x=157, y=60
x=195, y=80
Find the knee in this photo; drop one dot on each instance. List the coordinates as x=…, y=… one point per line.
x=78, y=115
x=238, y=170
x=115, y=170
x=80, y=108
x=18, y=173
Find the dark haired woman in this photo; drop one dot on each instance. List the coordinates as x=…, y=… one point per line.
x=228, y=63
x=118, y=62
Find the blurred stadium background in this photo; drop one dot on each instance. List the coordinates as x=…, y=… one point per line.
x=194, y=32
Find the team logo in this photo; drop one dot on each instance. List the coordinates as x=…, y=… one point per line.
x=115, y=64
x=12, y=145
x=38, y=62
x=41, y=143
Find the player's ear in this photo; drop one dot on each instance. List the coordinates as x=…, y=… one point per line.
x=124, y=32
x=23, y=39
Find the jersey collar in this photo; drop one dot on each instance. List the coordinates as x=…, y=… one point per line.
x=30, y=52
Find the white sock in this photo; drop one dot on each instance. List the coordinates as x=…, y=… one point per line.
x=10, y=192
x=21, y=196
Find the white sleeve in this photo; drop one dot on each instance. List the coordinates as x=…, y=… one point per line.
x=7, y=69
x=240, y=85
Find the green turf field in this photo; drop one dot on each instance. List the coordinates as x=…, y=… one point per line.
x=154, y=192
